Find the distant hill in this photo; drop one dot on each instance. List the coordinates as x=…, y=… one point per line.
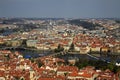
x=85, y=24
x=117, y=21
x=13, y=20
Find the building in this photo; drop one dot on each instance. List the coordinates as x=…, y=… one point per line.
x=31, y=43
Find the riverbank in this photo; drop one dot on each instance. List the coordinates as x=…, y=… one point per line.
x=34, y=53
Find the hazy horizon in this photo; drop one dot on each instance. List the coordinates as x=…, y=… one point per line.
x=60, y=8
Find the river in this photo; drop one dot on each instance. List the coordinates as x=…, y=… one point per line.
x=39, y=53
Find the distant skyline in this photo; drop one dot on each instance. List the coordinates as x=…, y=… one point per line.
x=60, y=8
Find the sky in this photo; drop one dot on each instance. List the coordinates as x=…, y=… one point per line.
x=60, y=8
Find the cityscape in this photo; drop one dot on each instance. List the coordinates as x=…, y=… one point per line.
x=48, y=47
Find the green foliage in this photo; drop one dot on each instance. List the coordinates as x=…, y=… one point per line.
x=59, y=48
x=22, y=79
x=110, y=66
x=39, y=64
x=24, y=43
x=98, y=65
x=32, y=60
x=65, y=74
x=116, y=69
x=72, y=48
x=2, y=30
x=117, y=21
x=83, y=23
x=16, y=78
x=82, y=63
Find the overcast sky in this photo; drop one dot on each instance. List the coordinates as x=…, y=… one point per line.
x=60, y=8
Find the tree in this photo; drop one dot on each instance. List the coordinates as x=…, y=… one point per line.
x=59, y=48
x=24, y=42
x=65, y=74
x=72, y=48
x=16, y=77
x=32, y=60
x=39, y=64
x=116, y=69
x=110, y=66
x=22, y=78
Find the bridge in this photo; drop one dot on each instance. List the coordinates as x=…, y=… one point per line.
x=55, y=54
x=24, y=48
x=52, y=54
x=98, y=58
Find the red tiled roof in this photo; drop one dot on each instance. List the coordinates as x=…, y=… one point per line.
x=67, y=68
x=46, y=79
x=2, y=73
